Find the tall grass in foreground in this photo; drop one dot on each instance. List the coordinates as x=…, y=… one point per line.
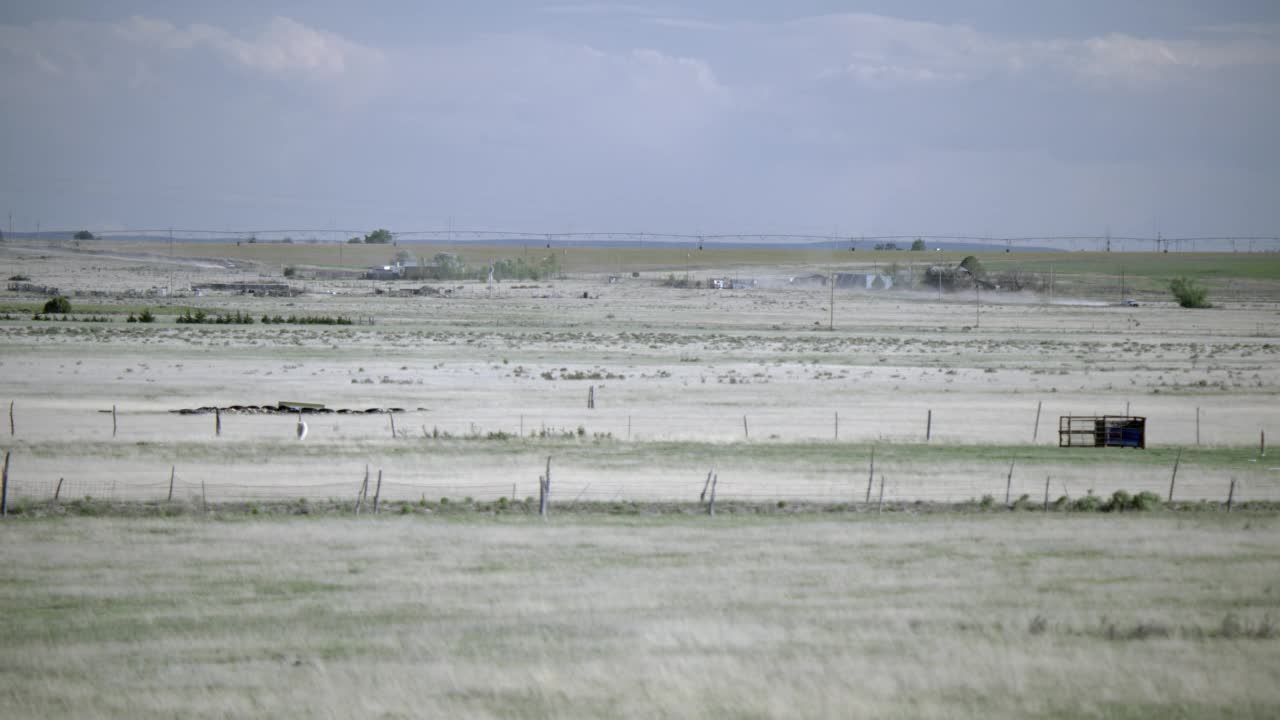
x=1005, y=616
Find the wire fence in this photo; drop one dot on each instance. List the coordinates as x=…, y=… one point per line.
x=578, y=483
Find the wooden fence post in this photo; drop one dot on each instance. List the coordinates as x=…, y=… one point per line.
x=113, y=420
x=364, y=489
x=1036, y=432
x=928, y=426
x=217, y=422
x=57, y=491
x=544, y=504
x=711, y=504
x=871, y=473
x=1046, y=493
x=377, y=493
x=204, y=499
x=591, y=398
x=1008, y=482
x=880, y=504
x=1231, y=494
x=173, y=469
x=745, y=433
x=706, y=486
x=1174, y=478
x=393, y=424
x=4, y=487
x=11, y=430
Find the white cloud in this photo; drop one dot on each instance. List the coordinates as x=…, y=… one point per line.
x=284, y=46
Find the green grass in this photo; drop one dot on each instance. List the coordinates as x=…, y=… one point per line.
x=1007, y=615
x=1257, y=266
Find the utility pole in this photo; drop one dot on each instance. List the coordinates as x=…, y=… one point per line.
x=831, y=319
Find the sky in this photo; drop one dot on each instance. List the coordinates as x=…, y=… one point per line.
x=997, y=117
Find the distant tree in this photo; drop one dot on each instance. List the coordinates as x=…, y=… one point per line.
x=918, y=245
x=83, y=235
x=381, y=236
x=355, y=241
x=974, y=267
x=1189, y=293
x=57, y=306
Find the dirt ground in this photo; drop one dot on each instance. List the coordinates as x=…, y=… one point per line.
x=747, y=381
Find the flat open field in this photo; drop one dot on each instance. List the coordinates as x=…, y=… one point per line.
x=797, y=600
x=784, y=390
x=1003, y=615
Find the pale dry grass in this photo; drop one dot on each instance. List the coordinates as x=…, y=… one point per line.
x=942, y=616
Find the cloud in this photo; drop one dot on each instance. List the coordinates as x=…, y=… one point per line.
x=285, y=46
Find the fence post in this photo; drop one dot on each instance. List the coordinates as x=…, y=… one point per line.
x=173, y=469
x=711, y=505
x=837, y=426
x=591, y=398
x=377, y=493
x=364, y=488
x=393, y=424
x=1036, y=432
x=871, y=473
x=880, y=504
x=57, y=491
x=1231, y=494
x=113, y=420
x=745, y=433
x=204, y=499
x=545, y=503
x=4, y=487
x=11, y=430
x=705, y=486
x=217, y=422
x=1174, y=478
x=1046, y=493
x=928, y=426
x=1008, y=483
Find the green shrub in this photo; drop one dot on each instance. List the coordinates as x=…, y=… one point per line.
x=1189, y=293
x=57, y=306
x=146, y=316
x=1088, y=503
x=1022, y=503
x=1119, y=502
x=1146, y=500
x=290, y=271
x=987, y=502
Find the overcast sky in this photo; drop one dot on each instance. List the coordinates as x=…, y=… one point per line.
x=1001, y=117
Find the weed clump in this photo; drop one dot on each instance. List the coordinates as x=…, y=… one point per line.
x=57, y=306
x=1189, y=293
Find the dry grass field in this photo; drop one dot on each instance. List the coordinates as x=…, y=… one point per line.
x=1003, y=615
x=784, y=390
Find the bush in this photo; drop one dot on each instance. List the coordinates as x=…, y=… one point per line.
x=1189, y=293
x=1119, y=502
x=146, y=316
x=57, y=306
x=83, y=235
x=1146, y=500
x=290, y=271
